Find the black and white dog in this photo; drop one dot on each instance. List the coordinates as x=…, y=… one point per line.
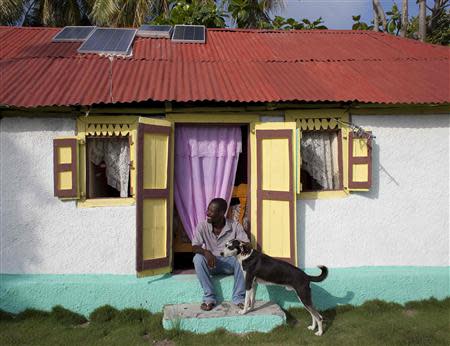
x=257, y=266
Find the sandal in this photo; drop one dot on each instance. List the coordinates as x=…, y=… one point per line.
x=207, y=306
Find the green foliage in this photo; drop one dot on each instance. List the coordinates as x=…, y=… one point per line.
x=250, y=13
x=56, y=13
x=133, y=315
x=5, y=315
x=32, y=313
x=193, y=12
x=439, y=35
x=67, y=317
x=10, y=11
x=441, y=32
x=291, y=24
x=104, y=313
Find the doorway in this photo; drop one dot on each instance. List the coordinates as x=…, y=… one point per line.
x=238, y=207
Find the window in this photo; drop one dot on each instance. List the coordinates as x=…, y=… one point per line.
x=107, y=167
x=321, y=165
x=333, y=158
x=107, y=159
x=97, y=166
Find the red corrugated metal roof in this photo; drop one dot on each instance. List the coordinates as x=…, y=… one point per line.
x=234, y=65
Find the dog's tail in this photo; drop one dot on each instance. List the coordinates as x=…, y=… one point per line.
x=322, y=275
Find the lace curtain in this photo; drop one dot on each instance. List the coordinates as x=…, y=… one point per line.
x=319, y=152
x=115, y=152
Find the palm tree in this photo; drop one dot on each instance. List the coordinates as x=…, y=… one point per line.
x=10, y=11
x=127, y=12
x=44, y=12
x=253, y=13
x=80, y=12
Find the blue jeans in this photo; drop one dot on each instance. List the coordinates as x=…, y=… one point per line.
x=224, y=265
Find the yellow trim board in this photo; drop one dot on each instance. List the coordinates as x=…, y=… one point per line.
x=322, y=194
x=206, y=118
x=151, y=272
x=292, y=115
x=106, y=202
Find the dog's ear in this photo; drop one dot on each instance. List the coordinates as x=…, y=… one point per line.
x=246, y=248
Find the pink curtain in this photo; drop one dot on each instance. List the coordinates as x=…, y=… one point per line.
x=206, y=160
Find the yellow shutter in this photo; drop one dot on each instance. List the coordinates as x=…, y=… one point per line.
x=275, y=190
x=65, y=167
x=154, y=195
x=359, y=162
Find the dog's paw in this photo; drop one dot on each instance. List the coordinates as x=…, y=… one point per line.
x=311, y=327
x=319, y=333
x=242, y=312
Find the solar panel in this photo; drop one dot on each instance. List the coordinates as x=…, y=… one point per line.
x=109, y=41
x=160, y=31
x=189, y=33
x=73, y=33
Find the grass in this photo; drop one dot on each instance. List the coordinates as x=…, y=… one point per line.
x=374, y=323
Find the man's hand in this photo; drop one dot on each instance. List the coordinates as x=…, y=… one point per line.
x=210, y=258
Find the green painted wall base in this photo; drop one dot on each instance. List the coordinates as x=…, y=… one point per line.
x=84, y=293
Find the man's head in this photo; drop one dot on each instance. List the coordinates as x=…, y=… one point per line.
x=216, y=210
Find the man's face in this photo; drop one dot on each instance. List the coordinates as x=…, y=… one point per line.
x=214, y=214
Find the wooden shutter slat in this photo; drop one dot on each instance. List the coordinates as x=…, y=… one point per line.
x=359, y=160
x=59, y=168
x=149, y=194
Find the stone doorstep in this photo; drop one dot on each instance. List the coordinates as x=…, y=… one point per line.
x=265, y=317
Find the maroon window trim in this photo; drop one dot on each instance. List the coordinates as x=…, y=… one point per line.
x=359, y=160
x=142, y=194
x=65, y=167
x=275, y=195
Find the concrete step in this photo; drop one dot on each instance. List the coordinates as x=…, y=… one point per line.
x=265, y=317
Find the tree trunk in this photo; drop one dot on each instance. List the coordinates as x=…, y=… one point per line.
x=422, y=20
x=380, y=13
x=376, y=22
x=439, y=7
x=404, y=26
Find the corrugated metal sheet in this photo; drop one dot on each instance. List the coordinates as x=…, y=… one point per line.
x=234, y=65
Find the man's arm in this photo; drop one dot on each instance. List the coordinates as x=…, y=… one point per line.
x=210, y=258
x=197, y=248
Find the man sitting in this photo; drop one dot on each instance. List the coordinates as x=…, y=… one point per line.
x=209, y=240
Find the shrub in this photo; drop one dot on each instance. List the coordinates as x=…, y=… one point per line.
x=5, y=315
x=32, y=313
x=104, y=313
x=67, y=317
x=131, y=315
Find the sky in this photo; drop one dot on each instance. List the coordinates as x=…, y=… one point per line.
x=337, y=14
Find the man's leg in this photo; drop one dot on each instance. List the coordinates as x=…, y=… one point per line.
x=203, y=274
x=230, y=265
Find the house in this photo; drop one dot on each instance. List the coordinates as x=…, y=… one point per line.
x=341, y=158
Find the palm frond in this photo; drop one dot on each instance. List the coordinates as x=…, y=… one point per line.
x=104, y=12
x=11, y=11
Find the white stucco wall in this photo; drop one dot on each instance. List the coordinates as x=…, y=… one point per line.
x=404, y=219
x=40, y=233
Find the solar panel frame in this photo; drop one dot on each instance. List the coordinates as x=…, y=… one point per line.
x=155, y=31
x=189, y=34
x=74, y=34
x=98, y=42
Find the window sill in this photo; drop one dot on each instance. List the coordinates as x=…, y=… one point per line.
x=323, y=194
x=106, y=202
